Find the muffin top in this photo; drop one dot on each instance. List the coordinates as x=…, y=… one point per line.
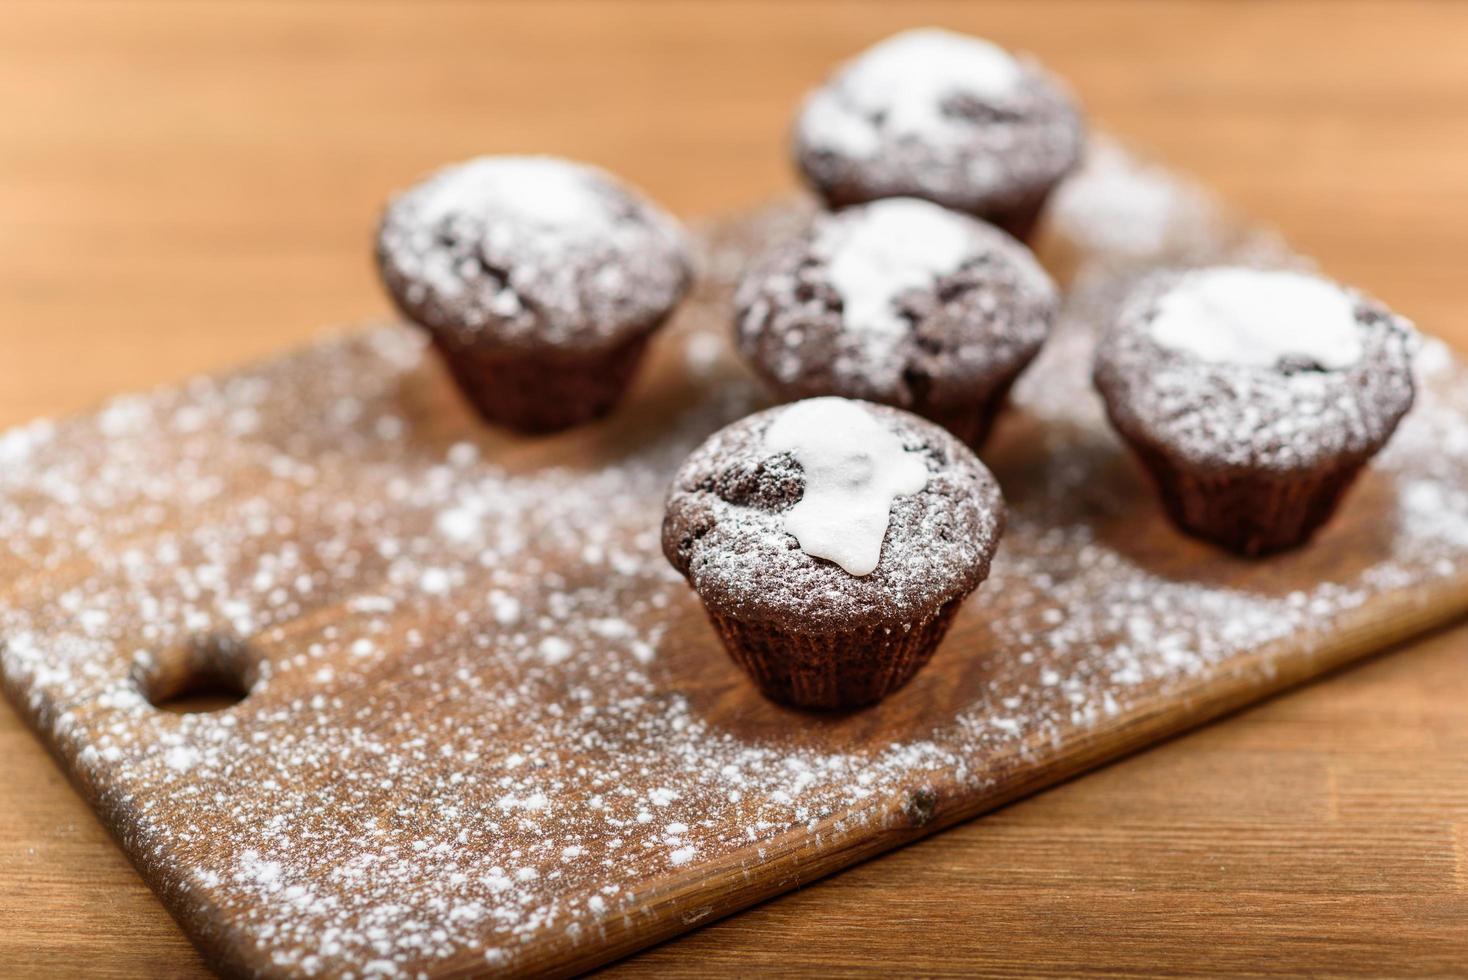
x=1229, y=367
x=532, y=254
x=832, y=514
x=898, y=301
x=933, y=114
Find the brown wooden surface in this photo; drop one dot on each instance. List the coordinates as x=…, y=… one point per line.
x=383, y=792
x=185, y=186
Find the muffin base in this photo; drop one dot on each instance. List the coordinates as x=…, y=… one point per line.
x=1253, y=513
x=971, y=423
x=1020, y=220
x=535, y=393
x=831, y=671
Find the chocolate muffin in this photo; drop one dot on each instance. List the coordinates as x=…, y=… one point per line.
x=540, y=281
x=954, y=119
x=902, y=302
x=831, y=542
x=1254, y=397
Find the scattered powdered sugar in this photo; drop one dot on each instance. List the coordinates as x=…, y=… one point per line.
x=1125, y=209
x=901, y=85
x=512, y=740
x=853, y=468
x=1258, y=317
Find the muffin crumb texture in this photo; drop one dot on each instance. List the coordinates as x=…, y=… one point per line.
x=489, y=726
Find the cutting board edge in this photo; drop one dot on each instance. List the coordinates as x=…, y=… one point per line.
x=1125, y=735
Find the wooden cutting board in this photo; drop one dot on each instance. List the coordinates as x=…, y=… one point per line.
x=488, y=728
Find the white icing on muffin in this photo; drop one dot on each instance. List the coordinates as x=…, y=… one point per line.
x=1219, y=396
x=884, y=249
x=854, y=468
x=1259, y=318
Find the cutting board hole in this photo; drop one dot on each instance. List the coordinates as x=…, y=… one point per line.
x=201, y=694
x=210, y=674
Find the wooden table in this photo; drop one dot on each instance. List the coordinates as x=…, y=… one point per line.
x=186, y=186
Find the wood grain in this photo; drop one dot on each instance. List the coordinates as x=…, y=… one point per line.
x=183, y=187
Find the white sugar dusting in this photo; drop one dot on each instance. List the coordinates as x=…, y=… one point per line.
x=1127, y=209
x=529, y=251
x=468, y=745
x=854, y=467
x=880, y=250
x=904, y=82
x=1258, y=317
x=543, y=191
x=881, y=301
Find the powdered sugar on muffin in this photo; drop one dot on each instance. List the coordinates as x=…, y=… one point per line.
x=726, y=530
x=898, y=301
x=522, y=252
x=1260, y=318
x=879, y=252
x=939, y=115
x=897, y=88
x=1234, y=367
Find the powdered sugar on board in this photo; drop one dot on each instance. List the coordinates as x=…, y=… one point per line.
x=489, y=726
